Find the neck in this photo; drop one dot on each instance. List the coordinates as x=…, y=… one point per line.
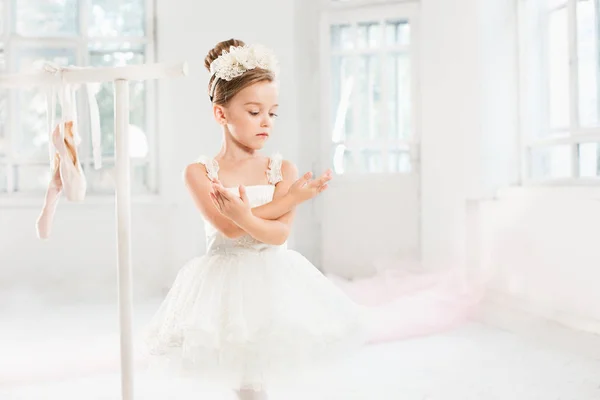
x=232, y=149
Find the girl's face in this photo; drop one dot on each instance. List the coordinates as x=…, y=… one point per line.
x=250, y=114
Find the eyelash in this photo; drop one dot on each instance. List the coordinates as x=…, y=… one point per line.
x=254, y=114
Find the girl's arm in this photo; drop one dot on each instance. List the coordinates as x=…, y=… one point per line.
x=200, y=187
x=277, y=231
x=284, y=203
x=299, y=191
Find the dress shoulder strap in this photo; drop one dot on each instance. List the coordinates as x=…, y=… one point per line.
x=211, y=165
x=274, y=172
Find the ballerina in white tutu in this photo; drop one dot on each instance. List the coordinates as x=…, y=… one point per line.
x=250, y=311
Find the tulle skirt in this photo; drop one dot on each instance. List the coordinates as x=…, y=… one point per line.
x=252, y=318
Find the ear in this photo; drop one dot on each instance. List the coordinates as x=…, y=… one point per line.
x=219, y=114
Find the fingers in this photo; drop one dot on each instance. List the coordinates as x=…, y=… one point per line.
x=221, y=200
x=243, y=194
x=214, y=200
x=324, y=179
x=321, y=181
x=303, y=180
x=315, y=183
x=223, y=193
x=323, y=188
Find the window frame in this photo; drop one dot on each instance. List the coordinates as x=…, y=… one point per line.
x=355, y=12
x=80, y=43
x=572, y=135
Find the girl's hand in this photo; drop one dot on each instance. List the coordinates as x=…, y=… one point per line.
x=305, y=189
x=230, y=205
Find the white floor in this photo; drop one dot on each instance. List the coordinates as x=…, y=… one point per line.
x=72, y=353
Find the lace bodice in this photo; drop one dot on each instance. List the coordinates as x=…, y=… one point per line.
x=258, y=195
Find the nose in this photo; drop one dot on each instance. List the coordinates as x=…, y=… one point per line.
x=265, y=121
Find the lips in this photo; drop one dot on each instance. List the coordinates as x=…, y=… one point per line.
x=263, y=134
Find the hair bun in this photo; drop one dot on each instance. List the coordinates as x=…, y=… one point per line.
x=218, y=50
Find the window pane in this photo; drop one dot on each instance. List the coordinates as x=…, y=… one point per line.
x=368, y=97
x=341, y=37
x=32, y=177
x=397, y=33
x=558, y=64
x=137, y=91
x=368, y=35
x=117, y=18
x=351, y=163
x=103, y=180
x=47, y=18
x=31, y=136
x=589, y=160
x=588, y=47
x=551, y=162
x=343, y=162
x=399, y=161
x=372, y=161
x=399, y=104
x=341, y=89
x=357, y=161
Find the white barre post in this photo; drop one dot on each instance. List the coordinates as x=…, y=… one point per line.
x=121, y=77
x=123, y=210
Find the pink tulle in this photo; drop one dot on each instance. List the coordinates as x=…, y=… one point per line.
x=404, y=303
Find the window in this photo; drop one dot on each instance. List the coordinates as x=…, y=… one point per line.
x=560, y=71
x=369, y=56
x=82, y=33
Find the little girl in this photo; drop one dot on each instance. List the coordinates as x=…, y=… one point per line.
x=250, y=311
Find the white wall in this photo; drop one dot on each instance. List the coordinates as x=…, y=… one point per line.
x=78, y=263
x=469, y=117
x=542, y=249
x=370, y=224
x=450, y=118
x=307, y=225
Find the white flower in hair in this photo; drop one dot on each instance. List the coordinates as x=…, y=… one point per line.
x=233, y=63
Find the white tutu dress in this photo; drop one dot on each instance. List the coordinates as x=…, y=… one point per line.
x=248, y=314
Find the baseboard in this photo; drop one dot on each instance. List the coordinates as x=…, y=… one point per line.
x=573, y=333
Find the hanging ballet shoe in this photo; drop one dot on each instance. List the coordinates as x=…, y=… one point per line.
x=67, y=174
x=71, y=174
x=44, y=221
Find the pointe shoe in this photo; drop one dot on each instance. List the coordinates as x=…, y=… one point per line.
x=43, y=224
x=71, y=174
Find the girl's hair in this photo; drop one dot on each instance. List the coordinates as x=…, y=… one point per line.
x=225, y=90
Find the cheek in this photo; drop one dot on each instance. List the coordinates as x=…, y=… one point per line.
x=243, y=123
x=250, y=120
